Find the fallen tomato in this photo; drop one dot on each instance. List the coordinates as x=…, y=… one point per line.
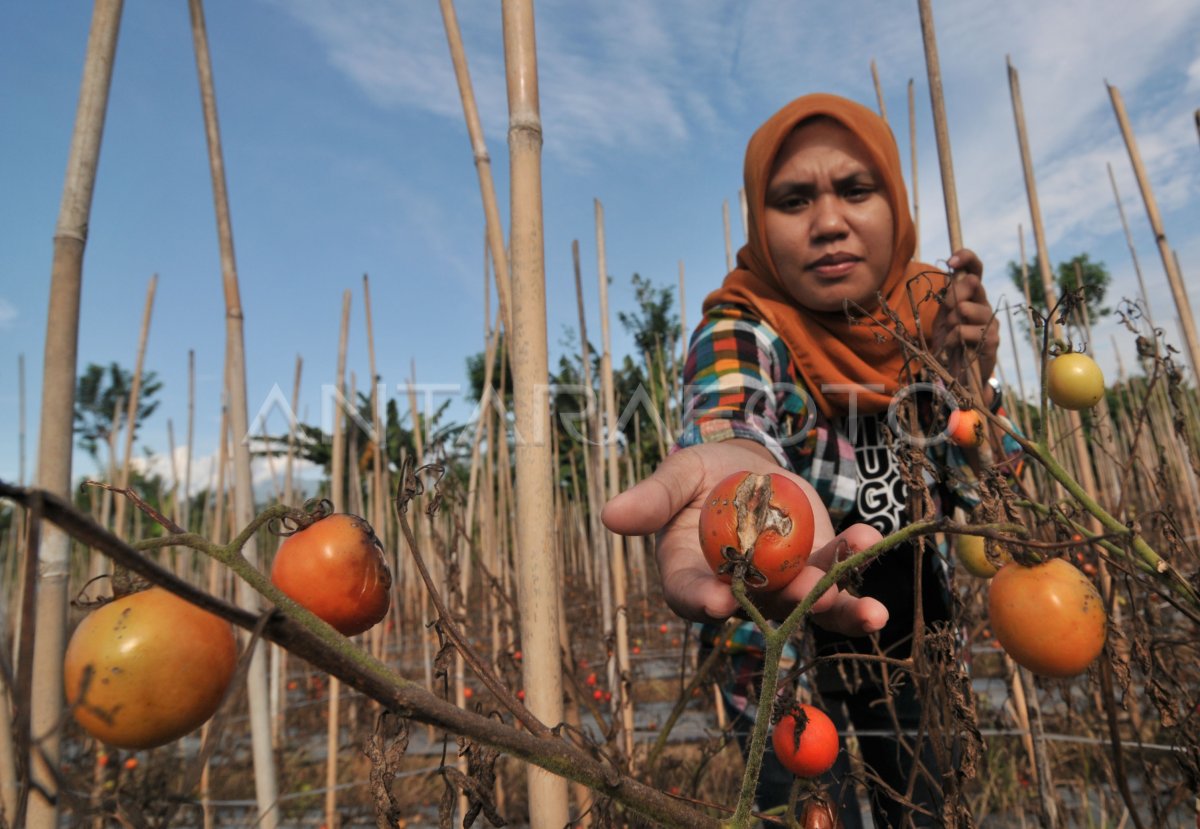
x=335, y=568
x=147, y=668
x=765, y=520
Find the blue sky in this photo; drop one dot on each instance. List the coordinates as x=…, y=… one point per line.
x=346, y=153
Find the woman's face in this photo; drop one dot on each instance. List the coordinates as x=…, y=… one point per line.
x=828, y=221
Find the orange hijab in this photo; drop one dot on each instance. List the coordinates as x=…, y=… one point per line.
x=825, y=347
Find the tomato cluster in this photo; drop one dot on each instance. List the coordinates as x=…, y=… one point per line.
x=764, y=520
x=335, y=568
x=147, y=668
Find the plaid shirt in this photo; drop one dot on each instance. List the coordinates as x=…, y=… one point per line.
x=740, y=382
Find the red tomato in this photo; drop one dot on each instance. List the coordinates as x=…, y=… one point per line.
x=335, y=568
x=805, y=741
x=965, y=427
x=1074, y=381
x=1048, y=617
x=766, y=518
x=157, y=668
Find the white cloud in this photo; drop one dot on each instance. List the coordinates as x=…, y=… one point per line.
x=8, y=313
x=266, y=474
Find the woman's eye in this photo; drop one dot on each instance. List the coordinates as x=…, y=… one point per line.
x=858, y=192
x=793, y=202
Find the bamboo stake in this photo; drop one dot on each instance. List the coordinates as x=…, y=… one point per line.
x=1178, y=289
x=337, y=488
x=616, y=559
x=131, y=406
x=728, y=235
x=912, y=150
x=940, y=128
x=878, y=91
x=483, y=163
x=16, y=575
x=56, y=431
x=1137, y=267
x=538, y=580
x=186, y=502
x=265, y=782
x=593, y=458
x=683, y=329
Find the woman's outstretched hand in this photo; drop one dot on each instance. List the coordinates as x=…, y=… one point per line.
x=668, y=503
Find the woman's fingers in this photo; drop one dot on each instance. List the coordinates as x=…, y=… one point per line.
x=647, y=507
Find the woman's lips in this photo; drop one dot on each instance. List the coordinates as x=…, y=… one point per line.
x=833, y=267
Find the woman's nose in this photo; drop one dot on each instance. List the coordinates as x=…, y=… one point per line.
x=828, y=217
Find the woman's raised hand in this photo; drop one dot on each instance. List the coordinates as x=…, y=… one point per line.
x=668, y=503
x=965, y=320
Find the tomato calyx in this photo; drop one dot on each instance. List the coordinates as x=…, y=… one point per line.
x=755, y=516
x=296, y=520
x=800, y=716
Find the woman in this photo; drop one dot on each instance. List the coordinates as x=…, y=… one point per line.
x=780, y=380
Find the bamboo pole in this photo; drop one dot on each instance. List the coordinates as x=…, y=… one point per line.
x=14, y=576
x=483, y=163
x=1137, y=267
x=940, y=128
x=265, y=781
x=186, y=500
x=616, y=558
x=1178, y=289
x=878, y=90
x=337, y=489
x=538, y=568
x=728, y=235
x=131, y=406
x=912, y=152
x=56, y=431
x=593, y=458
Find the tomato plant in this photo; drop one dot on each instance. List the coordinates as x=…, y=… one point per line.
x=335, y=568
x=805, y=741
x=765, y=519
x=147, y=668
x=970, y=550
x=1048, y=617
x=965, y=427
x=1074, y=381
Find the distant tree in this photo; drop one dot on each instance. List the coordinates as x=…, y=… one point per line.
x=97, y=393
x=654, y=325
x=1095, y=282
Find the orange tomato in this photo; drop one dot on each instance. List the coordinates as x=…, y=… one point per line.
x=147, y=668
x=965, y=427
x=1048, y=617
x=335, y=568
x=765, y=518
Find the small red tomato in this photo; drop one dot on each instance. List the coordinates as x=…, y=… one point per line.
x=965, y=427
x=335, y=568
x=636, y=650
x=805, y=741
x=608, y=696
x=766, y=519
x=517, y=656
x=597, y=695
x=591, y=679
x=662, y=628
x=468, y=693
x=521, y=694
x=131, y=763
